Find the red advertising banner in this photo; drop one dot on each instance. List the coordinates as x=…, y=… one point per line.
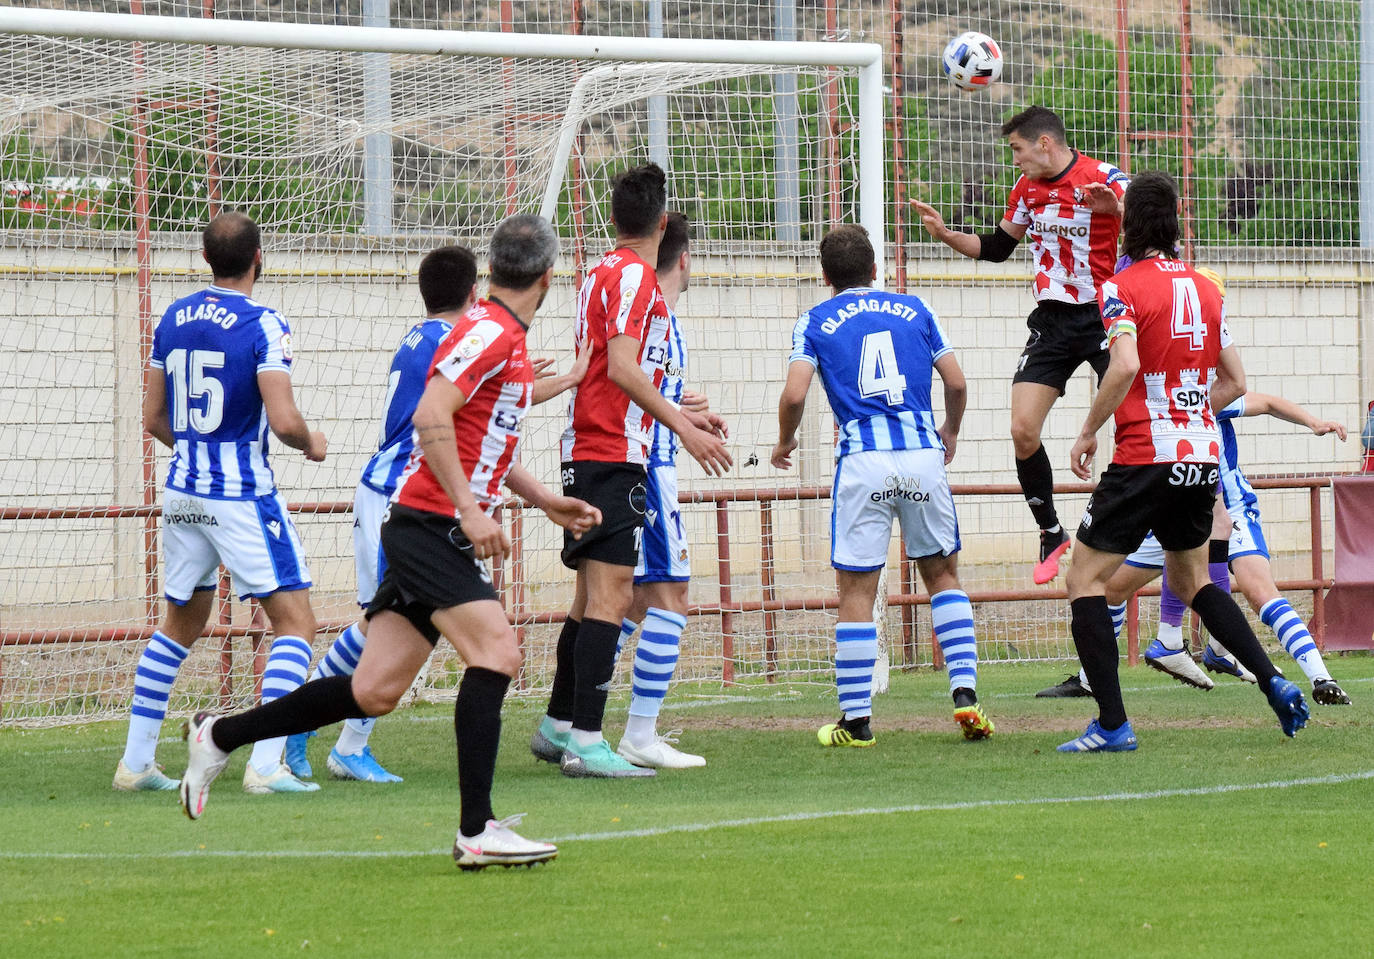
x=1350, y=603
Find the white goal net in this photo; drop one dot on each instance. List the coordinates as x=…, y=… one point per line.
x=113, y=154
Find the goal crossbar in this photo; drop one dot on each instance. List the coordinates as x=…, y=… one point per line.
x=865, y=57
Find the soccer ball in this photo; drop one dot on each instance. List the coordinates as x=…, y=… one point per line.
x=972, y=60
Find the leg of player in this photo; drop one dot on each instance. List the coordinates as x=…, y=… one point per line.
x=1256, y=580
x=951, y=616
x=182, y=625
x=1097, y=650
x=856, y=654
x=656, y=657
x=1162, y=654
x=608, y=591
x=1223, y=619
x=1030, y=404
x=288, y=664
x=483, y=637
x=351, y=757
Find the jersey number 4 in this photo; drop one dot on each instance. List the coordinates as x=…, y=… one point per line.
x=1188, y=323
x=191, y=381
x=878, y=372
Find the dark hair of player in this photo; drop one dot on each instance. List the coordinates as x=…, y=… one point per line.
x=447, y=276
x=847, y=257
x=639, y=196
x=674, y=243
x=1150, y=223
x=1034, y=122
x=230, y=241
x=523, y=248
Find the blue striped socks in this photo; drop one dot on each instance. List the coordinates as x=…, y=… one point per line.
x=1292, y=632
x=287, y=665
x=341, y=659
x=1118, y=614
x=856, y=652
x=952, y=616
x=656, y=657
x=157, y=670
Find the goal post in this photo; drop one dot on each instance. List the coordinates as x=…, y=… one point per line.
x=120, y=135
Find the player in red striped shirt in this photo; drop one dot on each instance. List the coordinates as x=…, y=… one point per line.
x=623, y=319
x=1170, y=352
x=437, y=535
x=1068, y=206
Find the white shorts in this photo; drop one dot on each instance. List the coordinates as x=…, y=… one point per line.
x=369, y=563
x=874, y=487
x=253, y=538
x=663, y=550
x=1247, y=536
x=1149, y=555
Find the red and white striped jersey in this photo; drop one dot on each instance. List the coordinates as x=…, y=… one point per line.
x=1074, y=249
x=484, y=356
x=1178, y=321
x=619, y=297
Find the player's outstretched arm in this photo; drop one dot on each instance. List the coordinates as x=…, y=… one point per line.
x=1116, y=383
x=956, y=400
x=574, y=515
x=433, y=422
x=284, y=417
x=622, y=359
x=791, y=405
x=156, y=422
x=549, y=383
x=996, y=246
x=1258, y=404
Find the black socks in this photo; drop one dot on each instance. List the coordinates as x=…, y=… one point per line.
x=594, y=665
x=1228, y=624
x=477, y=725
x=1037, y=484
x=564, y=675
x=317, y=703
x=1093, y=638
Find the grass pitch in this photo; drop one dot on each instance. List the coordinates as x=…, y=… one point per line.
x=1219, y=837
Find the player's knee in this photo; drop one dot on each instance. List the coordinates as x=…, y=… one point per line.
x=376, y=698
x=1025, y=437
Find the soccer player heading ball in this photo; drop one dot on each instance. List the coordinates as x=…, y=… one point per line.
x=1067, y=204
x=875, y=352
x=1165, y=329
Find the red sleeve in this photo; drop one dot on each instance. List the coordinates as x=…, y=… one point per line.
x=1014, y=203
x=470, y=356
x=629, y=301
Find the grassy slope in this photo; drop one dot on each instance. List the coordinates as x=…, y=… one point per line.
x=1221, y=873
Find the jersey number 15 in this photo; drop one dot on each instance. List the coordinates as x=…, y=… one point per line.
x=191, y=381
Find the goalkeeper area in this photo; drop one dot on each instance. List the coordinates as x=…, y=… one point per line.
x=357, y=159
x=1217, y=834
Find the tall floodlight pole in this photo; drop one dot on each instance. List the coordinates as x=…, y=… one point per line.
x=658, y=106
x=378, y=188
x=787, y=169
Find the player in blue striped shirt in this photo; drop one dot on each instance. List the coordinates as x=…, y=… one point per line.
x=447, y=279
x=218, y=380
x=875, y=352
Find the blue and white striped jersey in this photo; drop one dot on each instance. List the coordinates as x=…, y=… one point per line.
x=663, y=442
x=875, y=352
x=406, y=381
x=1236, y=490
x=210, y=347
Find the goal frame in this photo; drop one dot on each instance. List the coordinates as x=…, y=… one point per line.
x=867, y=58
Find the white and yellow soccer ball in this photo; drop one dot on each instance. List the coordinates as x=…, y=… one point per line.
x=972, y=60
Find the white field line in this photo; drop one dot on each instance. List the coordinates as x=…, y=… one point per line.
x=691, y=827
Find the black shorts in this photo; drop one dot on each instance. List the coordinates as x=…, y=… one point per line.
x=429, y=565
x=1173, y=499
x=1063, y=336
x=618, y=490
